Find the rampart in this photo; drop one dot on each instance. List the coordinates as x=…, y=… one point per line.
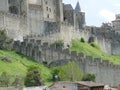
x=15, y=26
x=105, y=71
x=108, y=40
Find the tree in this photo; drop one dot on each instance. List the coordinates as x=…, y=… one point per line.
x=5, y=42
x=17, y=82
x=4, y=79
x=70, y=72
x=33, y=77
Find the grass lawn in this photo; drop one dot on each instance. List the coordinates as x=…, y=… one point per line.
x=19, y=65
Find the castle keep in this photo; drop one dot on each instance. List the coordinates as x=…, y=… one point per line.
x=39, y=17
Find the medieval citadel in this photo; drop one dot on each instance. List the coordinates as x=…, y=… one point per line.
x=39, y=23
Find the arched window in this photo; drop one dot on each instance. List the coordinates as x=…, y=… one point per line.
x=13, y=9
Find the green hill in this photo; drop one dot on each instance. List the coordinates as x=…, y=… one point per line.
x=93, y=50
x=17, y=64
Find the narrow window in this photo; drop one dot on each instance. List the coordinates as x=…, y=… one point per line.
x=50, y=9
x=48, y=16
x=47, y=8
x=46, y=2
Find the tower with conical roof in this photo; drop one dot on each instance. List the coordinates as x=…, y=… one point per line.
x=79, y=17
x=77, y=8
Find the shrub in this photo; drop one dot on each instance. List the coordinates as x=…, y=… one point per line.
x=89, y=77
x=82, y=40
x=70, y=72
x=5, y=42
x=4, y=80
x=59, y=43
x=94, y=45
x=33, y=77
x=17, y=82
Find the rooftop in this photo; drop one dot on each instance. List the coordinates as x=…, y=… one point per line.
x=77, y=8
x=90, y=84
x=68, y=7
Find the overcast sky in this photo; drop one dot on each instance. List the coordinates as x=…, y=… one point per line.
x=98, y=11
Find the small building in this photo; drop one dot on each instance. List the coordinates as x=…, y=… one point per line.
x=84, y=85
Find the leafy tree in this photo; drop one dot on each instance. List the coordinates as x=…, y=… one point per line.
x=5, y=42
x=4, y=79
x=70, y=72
x=55, y=73
x=33, y=77
x=17, y=82
x=88, y=77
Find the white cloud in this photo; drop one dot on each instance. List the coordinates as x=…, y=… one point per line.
x=106, y=14
x=117, y=5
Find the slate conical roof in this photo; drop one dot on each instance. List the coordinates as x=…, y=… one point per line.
x=77, y=8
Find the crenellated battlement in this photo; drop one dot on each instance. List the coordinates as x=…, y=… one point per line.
x=105, y=71
x=39, y=27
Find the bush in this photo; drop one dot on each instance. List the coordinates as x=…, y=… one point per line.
x=5, y=42
x=17, y=82
x=70, y=72
x=4, y=80
x=33, y=77
x=82, y=40
x=89, y=77
x=59, y=43
x=94, y=45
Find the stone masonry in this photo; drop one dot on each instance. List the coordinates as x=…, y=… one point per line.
x=105, y=71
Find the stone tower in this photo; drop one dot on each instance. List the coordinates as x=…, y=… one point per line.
x=49, y=10
x=59, y=13
x=116, y=23
x=69, y=14
x=52, y=10
x=77, y=8
x=18, y=7
x=4, y=5
x=79, y=17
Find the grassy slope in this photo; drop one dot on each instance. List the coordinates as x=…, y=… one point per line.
x=87, y=49
x=19, y=65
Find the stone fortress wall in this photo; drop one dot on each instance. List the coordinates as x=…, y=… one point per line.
x=105, y=71
x=107, y=40
x=62, y=22
x=50, y=21
x=15, y=26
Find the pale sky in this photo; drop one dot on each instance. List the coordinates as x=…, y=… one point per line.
x=97, y=11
